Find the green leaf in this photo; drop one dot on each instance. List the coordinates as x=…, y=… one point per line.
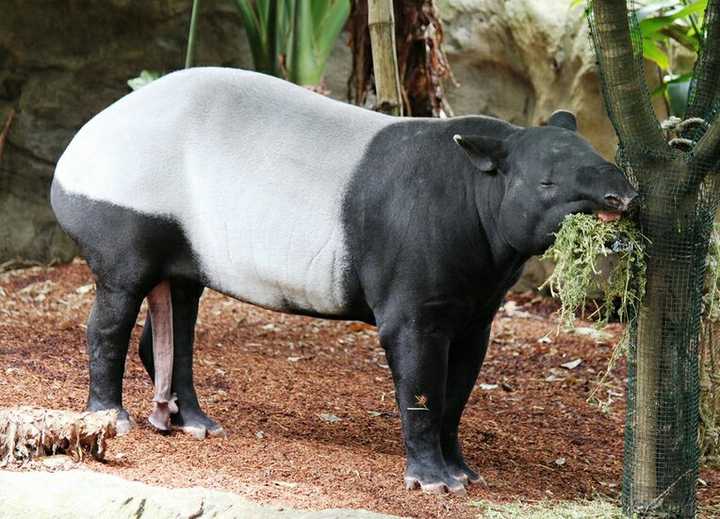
x=653, y=8
x=651, y=24
x=694, y=8
x=329, y=28
x=303, y=31
x=251, y=23
x=146, y=77
x=681, y=35
x=654, y=25
x=654, y=53
x=302, y=69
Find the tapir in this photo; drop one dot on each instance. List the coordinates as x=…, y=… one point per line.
x=285, y=199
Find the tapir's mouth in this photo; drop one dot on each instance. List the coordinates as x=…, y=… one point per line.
x=608, y=216
x=614, y=206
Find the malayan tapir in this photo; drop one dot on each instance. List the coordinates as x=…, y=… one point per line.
x=288, y=200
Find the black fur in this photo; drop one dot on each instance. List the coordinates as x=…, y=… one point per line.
x=129, y=253
x=440, y=218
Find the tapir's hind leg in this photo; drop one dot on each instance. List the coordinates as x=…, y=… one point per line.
x=108, y=334
x=189, y=418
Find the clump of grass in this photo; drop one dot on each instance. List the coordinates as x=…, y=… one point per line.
x=595, y=509
x=579, y=244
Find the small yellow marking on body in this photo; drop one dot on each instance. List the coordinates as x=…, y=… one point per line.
x=421, y=401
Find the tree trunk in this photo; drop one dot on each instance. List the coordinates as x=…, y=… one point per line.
x=423, y=66
x=663, y=390
x=679, y=193
x=381, y=22
x=661, y=457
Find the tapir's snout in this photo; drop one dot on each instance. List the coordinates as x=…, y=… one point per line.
x=618, y=198
x=620, y=202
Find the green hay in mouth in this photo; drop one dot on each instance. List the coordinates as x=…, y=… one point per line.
x=579, y=244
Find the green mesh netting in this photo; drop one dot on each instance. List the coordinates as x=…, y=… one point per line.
x=679, y=191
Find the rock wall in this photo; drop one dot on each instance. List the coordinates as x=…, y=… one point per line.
x=522, y=60
x=62, y=61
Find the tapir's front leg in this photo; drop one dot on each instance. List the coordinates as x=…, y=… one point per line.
x=418, y=360
x=161, y=315
x=464, y=361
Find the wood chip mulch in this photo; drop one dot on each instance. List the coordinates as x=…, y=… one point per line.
x=309, y=409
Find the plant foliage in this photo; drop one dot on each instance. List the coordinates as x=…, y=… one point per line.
x=145, y=77
x=665, y=27
x=293, y=39
x=579, y=244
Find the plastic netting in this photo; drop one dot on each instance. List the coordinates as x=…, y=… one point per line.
x=679, y=194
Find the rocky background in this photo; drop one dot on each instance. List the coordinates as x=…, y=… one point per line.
x=62, y=61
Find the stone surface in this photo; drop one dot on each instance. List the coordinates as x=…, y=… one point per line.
x=61, y=62
x=83, y=494
x=523, y=59
x=531, y=58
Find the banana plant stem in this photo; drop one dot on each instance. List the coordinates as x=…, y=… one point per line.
x=190, y=54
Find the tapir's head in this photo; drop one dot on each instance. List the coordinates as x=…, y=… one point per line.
x=547, y=173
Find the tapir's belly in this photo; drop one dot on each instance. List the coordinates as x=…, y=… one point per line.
x=254, y=171
x=275, y=244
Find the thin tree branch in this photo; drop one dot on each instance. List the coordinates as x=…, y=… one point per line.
x=623, y=77
x=706, y=75
x=707, y=150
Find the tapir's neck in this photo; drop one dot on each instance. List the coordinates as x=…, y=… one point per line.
x=489, y=194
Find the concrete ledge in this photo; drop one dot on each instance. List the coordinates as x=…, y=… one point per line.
x=83, y=494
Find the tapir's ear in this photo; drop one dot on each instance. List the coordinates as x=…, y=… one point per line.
x=484, y=152
x=563, y=119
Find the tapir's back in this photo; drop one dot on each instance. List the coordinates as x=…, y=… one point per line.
x=252, y=169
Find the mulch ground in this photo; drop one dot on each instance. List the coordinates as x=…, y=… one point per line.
x=309, y=409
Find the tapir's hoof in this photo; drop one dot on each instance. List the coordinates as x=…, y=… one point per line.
x=466, y=475
x=197, y=424
x=200, y=433
x=217, y=432
x=159, y=424
x=472, y=478
x=453, y=486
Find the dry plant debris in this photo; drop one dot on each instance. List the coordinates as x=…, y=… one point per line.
x=32, y=432
x=579, y=244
